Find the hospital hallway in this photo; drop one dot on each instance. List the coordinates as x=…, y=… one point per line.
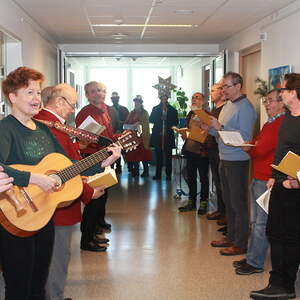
x=156, y=253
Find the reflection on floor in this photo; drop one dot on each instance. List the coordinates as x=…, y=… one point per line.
x=155, y=252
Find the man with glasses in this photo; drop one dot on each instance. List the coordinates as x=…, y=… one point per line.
x=283, y=226
x=239, y=115
x=262, y=156
x=60, y=103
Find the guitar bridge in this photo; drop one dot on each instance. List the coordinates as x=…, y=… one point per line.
x=29, y=200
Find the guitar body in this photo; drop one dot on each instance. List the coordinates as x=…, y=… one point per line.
x=35, y=216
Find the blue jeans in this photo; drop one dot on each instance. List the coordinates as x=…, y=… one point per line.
x=258, y=242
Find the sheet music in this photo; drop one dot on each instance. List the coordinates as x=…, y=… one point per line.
x=263, y=200
x=233, y=138
x=91, y=125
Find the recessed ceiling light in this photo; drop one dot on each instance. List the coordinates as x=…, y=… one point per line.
x=142, y=25
x=119, y=35
x=183, y=12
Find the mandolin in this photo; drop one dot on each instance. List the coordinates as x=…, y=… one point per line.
x=25, y=210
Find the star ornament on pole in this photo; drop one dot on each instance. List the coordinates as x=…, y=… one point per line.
x=164, y=87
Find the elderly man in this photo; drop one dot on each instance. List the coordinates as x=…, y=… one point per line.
x=60, y=103
x=283, y=226
x=93, y=221
x=218, y=99
x=238, y=115
x=262, y=156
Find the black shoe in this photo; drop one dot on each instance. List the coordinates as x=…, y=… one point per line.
x=93, y=247
x=270, y=292
x=188, y=207
x=105, y=226
x=100, y=240
x=239, y=263
x=247, y=269
x=156, y=177
x=202, y=208
x=145, y=174
x=223, y=229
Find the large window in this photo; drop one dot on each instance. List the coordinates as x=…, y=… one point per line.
x=115, y=79
x=143, y=80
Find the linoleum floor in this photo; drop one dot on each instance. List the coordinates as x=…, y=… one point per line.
x=156, y=253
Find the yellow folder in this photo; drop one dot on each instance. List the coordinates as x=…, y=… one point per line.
x=107, y=178
x=203, y=115
x=289, y=165
x=197, y=134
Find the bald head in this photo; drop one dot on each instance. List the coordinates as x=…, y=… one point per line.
x=62, y=100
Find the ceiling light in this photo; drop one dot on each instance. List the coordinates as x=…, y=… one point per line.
x=183, y=12
x=119, y=35
x=143, y=25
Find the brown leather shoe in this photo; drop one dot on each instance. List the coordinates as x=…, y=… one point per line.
x=221, y=243
x=233, y=250
x=213, y=216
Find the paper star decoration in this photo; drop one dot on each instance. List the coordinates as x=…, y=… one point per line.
x=164, y=87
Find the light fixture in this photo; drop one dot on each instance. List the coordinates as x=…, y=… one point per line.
x=183, y=12
x=143, y=25
x=119, y=36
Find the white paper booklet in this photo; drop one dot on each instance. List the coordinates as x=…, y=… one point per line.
x=91, y=125
x=298, y=175
x=263, y=200
x=232, y=138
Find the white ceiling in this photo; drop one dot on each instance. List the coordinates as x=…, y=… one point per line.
x=71, y=21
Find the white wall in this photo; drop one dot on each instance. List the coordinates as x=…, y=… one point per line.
x=37, y=49
x=282, y=44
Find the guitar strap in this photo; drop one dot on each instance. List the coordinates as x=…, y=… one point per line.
x=82, y=135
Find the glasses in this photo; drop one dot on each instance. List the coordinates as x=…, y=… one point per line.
x=226, y=86
x=266, y=102
x=73, y=106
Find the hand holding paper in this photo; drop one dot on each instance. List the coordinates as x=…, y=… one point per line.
x=233, y=138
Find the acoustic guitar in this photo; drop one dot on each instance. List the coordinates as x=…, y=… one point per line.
x=25, y=210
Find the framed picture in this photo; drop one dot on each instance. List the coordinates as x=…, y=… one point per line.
x=276, y=76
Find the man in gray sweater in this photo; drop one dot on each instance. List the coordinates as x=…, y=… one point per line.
x=239, y=115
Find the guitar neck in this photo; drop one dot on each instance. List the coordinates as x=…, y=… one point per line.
x=82, y=165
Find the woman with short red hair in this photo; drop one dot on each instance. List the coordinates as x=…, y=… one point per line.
x=25, y=261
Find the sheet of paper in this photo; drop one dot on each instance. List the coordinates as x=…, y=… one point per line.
x=298, y=175
x=263, y=200
x=232, y=138
x=91, y=125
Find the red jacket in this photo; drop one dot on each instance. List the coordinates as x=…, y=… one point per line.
x=102, y=117
x=263, y=153
x=71, y=214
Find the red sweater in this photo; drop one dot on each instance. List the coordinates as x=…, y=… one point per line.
x=102, y=117
x=263, y=153
x=71, y=214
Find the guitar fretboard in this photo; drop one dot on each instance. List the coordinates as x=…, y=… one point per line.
x=82, y=165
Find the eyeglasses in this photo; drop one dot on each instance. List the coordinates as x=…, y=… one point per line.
x=266, y=102
x=226, y=86
x=73, y=106
x=283, y=89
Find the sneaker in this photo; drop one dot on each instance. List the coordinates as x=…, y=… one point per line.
x=188, y=207
x=239, y=263
x=270, y=292
x=202, y=208
x=247, y=269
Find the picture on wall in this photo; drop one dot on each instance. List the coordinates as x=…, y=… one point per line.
x=276, y=76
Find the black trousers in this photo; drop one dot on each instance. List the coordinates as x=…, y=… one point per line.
x=234, y=182
x=26, y=262
x=93, y=215
x=197, y=163
x=163, y=155
x=283, y=232
x=214, y=161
